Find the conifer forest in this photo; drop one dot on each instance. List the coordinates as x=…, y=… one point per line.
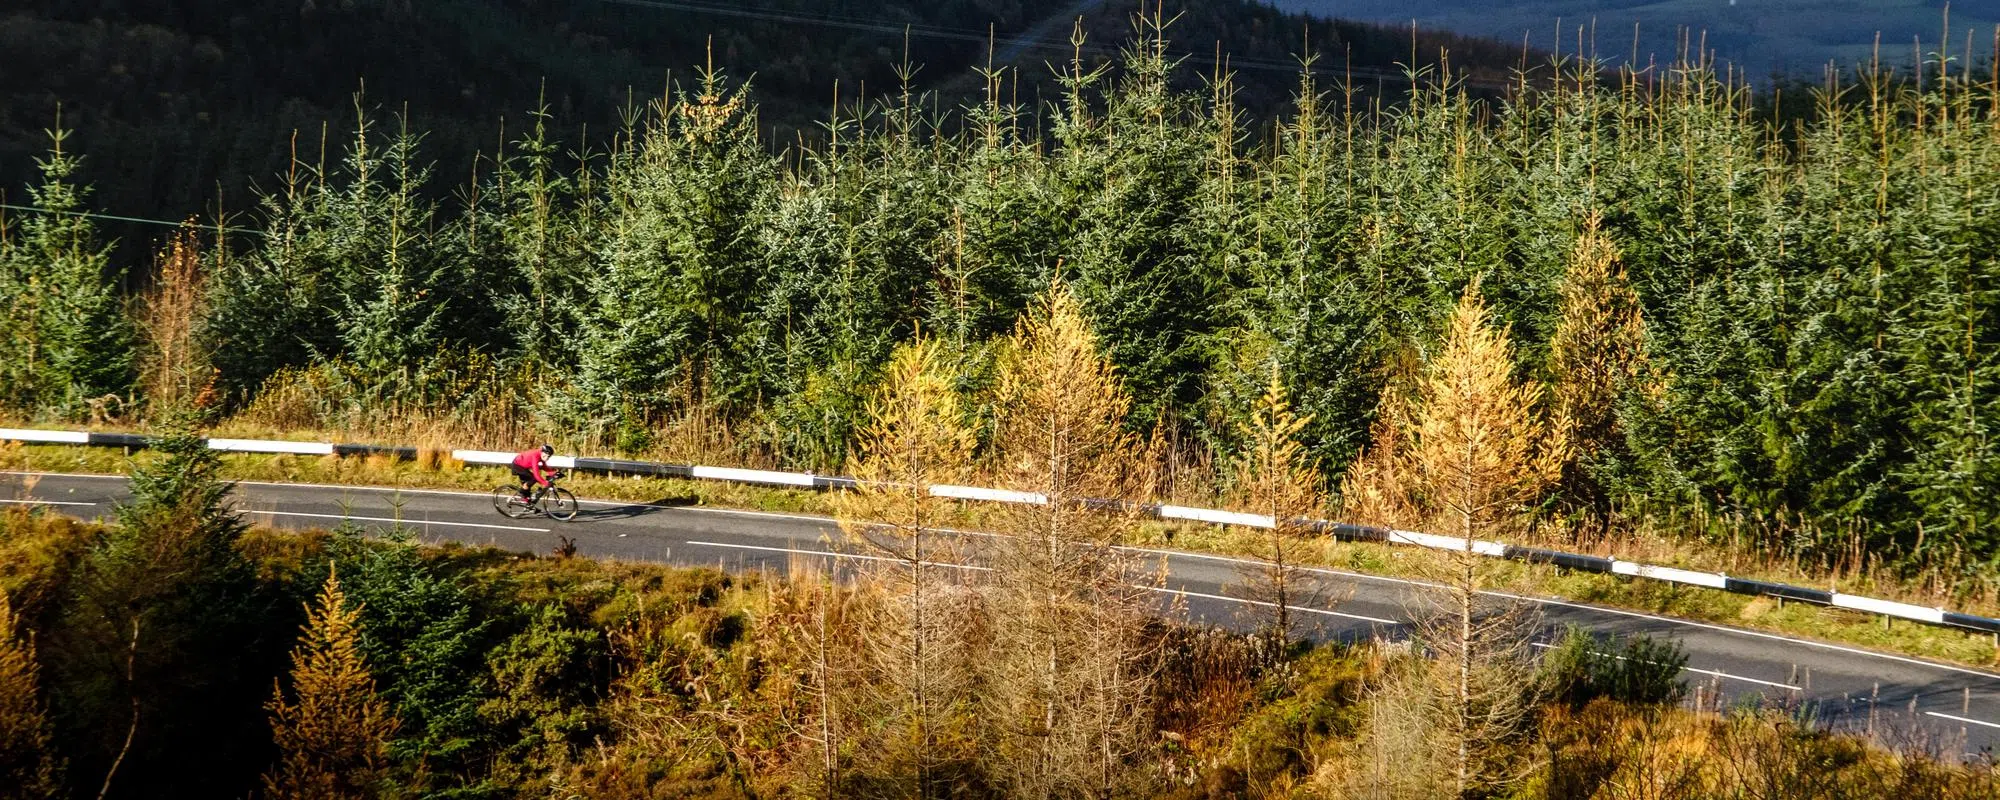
x=1584, y=303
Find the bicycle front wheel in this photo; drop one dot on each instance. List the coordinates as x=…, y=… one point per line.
x=560, y=505
x=507, y=500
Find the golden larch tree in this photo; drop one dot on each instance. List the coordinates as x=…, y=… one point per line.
x=1375, y=490
x=1067, y=674
x=1479, y=454
x=1599, y=346
x=917, y=436
x=333, y=737
x=1478, y=450
x=27, y=767
x=173, y=367
x=1275, y=477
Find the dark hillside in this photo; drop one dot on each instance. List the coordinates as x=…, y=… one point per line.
x=170, y=98
x=181, y=103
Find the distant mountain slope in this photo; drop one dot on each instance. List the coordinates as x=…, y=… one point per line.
x=177, y=104
x=1761, y=36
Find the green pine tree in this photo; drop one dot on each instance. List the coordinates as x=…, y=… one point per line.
x=76, y=346
x=677, y=273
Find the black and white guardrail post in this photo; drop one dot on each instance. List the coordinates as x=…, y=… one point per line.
x=801, y=480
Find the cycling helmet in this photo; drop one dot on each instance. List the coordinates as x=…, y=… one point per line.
x=548, y=450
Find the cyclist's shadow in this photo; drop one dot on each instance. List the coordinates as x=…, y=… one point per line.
x=632, y=510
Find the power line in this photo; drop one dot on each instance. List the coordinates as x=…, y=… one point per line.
x=117, y=218
x=855, y=24
x=825, y=20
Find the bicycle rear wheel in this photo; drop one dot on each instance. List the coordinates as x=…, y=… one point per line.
x=559, y=504
x=507, y=501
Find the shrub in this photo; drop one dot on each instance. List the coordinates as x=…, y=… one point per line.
x=1584, y=666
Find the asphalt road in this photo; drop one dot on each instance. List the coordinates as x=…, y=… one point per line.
x=1903, y=699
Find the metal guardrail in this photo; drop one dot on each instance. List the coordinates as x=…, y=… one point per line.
x=803, y=480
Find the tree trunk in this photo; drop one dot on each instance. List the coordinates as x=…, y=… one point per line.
x=132, y=730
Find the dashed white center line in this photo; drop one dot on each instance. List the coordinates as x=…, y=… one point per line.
x=1743, y=679
x=1725, y=675
x=1267, y=604
x=44, y=503
x=409, y=522
x=832, y=554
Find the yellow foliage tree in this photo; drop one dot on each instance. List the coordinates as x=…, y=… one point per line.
x=27, y=769
x=1276, y=478
x=1479, y=451
x=333, y=739
x=1467, y=458
x=1375, y=490
x=917, y=436
x=1067, y=675
x=1599, y=346
x=172, y=365
x=1480, y=454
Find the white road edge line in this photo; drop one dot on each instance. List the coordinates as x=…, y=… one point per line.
x=1546, y=646
x=1758, y=634
x=1963, y=719
x=1177, y=553
x=45, y=503
x=832, y=554
x=418, y=523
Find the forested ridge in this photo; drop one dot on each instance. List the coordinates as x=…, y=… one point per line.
x=1780, y=338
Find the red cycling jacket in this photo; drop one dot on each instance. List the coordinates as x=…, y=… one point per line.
x=535, y=464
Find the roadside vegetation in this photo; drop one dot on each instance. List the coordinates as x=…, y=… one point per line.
x=178, y=652
x=1419, y=476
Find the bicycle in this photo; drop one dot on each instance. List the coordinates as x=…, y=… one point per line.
x=551, y=501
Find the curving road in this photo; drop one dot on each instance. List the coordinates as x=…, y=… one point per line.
x=1948, y=706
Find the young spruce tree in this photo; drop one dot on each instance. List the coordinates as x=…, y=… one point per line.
x=76, y=347
x=152, y=650
x=677, y=271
